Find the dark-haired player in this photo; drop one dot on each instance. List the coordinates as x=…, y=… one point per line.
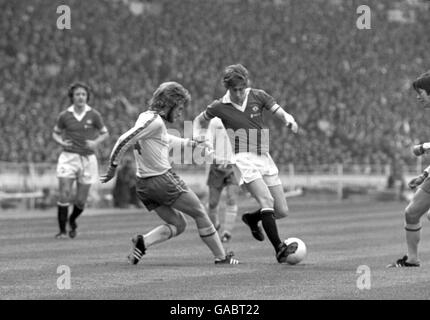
x=158, y=186
x=79, y=130
x=420, y=203
x=241, y=112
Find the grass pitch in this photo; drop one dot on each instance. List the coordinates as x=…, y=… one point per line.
x=340, y=237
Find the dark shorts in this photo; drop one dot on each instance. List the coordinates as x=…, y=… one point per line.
x=220, y=176
x=160, y=190
x=425, y=185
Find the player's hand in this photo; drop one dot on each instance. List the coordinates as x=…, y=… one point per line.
x=415, y=182
x=202, y=142
x=109, y=174
x=91, y=144
x=418, y=150
x=67, y=143
x=293, y=126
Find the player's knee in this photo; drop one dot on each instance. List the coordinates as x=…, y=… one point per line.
x=281, y=212
x=213, y=204
x=180, y=225
x=231, y=201
x=65, y=196
x=80, y=204
x=412, y=216
x=266, y=201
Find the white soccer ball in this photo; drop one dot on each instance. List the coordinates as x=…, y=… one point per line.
x=300, y=253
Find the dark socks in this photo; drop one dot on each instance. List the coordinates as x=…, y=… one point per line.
x=62, y=217
x=270, y=227
x=75, y=214
x=255, y=216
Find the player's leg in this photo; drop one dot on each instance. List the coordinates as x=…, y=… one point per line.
x=261, y=193
x=214, y=197
x=419, y=205
x=175, y=225
x=82, y=191
x=87, y=175
x=232, y=192
x=280, y=202
x=65, y=193
x=190, y=204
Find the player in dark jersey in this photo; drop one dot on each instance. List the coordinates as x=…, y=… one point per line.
x=241, y=111
x=420, y=203
x=79, y=130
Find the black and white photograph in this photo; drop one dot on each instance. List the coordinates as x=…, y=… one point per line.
x=214, y=155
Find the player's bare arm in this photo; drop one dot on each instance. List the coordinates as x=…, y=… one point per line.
x=178, y=141
x=415, y=182
x=200, y=125
x=93, y=144
x=58, y=137
x=285, y=117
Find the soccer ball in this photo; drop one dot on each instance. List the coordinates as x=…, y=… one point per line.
x=300, y=253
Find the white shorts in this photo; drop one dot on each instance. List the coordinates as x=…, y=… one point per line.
x=253, y=166
x=74, y=166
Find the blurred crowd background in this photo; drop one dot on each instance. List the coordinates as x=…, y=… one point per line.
x=349, y=89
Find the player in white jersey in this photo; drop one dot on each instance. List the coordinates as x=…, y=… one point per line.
x=222, y=174
x=158, y=187
x=420, y=203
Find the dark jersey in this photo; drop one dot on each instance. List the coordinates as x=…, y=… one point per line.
x=246, y=129
x=88, y=128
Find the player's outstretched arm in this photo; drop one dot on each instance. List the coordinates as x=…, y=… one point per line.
x=420, y=149
x=200, y=125
x=415, y=182
x=126, y=140
x=285, y=117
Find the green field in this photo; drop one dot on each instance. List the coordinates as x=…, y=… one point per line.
x=340, y=237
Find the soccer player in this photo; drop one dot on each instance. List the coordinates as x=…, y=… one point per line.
x=420, y=202
x=79, y=130
x=240, y=110
x=158, y=186
x=222, y=174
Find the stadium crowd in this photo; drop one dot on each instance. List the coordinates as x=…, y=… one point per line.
x=349, y=89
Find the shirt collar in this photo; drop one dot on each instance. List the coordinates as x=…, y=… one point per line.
x=226, y=99
x=72, y=108
x=79, y=117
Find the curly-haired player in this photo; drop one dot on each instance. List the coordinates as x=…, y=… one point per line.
x=158, y=186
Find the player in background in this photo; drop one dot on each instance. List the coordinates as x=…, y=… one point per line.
x=240, y=110
x=420, y=203
x=222, y=174
x=158, y=187
x=79, y=130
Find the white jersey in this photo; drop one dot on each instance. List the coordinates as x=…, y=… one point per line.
x=151, y=145
x=220, y=141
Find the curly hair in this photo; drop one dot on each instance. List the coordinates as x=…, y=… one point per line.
x=169, y=95
x=422, y=82
x=233, y=75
